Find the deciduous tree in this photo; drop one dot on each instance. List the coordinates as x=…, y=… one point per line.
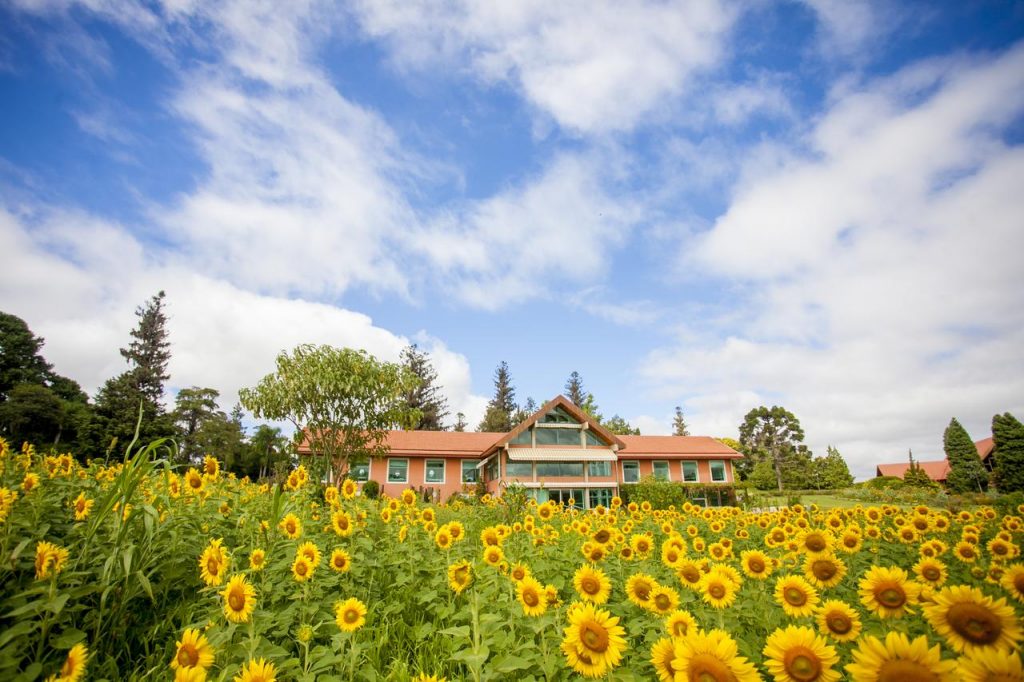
x=620, y=427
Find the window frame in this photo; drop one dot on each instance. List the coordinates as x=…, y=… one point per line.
x=606, y=465
x=444, y=471
x=711, y=469
x=472, y=467
x=514, y=463
x=559, y=475
x=667, y=472
x=405, y=479
x=696, y=470
x=623, y=464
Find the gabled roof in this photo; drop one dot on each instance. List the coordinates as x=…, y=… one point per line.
x=985, y=447
x=677, y=445
x=567, y=405
x=936, y=470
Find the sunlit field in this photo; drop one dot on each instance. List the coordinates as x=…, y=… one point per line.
x=132, y=571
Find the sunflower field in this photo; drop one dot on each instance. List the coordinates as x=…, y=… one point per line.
x=135, y=571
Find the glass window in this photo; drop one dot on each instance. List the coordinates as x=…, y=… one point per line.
x=398, y=471
x=600, y=496
x=524, y=438
x=558, y=416
x=518, y=469
x=559, y=469
x=360, y=472
x=717, y=470
x=599, y=468
x=469, y=471
x=573, y=498
x=661, y=471
x=592, y=438
x=690, y=472
x=435, y=471
x=491, y=469
x=558, y=436
x=547, y=437
x=631, y=472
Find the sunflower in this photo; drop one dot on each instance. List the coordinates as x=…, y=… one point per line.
x=679, y=623
x=824, y=571
x=662, y=654
x=931, y=571
x=190, y=675
x=531, y=597
x=257, y=559
x=888, y=591
x=239, y=599
x=593, y=641
x=194, y=481
x=838, y=620
x=796, y=596
x=690, y=574
x=592, y=584
x=460, y=575
x=642, y=544
x=1013, y=581
x=711, y=657
x=490, y=537
x=968, y=619
x=291, y=526
x=966, y=552
x=213, y=562
x=664, y=600
x=990, y=665
x=443, y=538
x=815, y=542
x=423, y=677
x=257, y=671
x=340, y=561
x=718, y=589
x=302, y=568
x=898, y=659
x=756, y=564
x=341, y=522
x=74, y=665
x=493, y=555
x=1002, y=549
x=349, y=488
x=799, y=654
x=193, y=651
x=350, y=615
x=311, y=552
x=49, y=559
x=639, y=588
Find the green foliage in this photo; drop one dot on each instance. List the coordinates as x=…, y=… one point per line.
x=762, y=476
x=371, y=490
x=460, y=422
x=679, y=427
x=1008, y=435
x=620, y=427
x=20, y=359
x=426, y=395
x=883, y=482
x=582, y=398
x=966, y=472
x=342, y=401
x=502, y=407
x=193, y=408
x=916, y=477
x=149, y=351
x=662, y=494
x=774, y=434
x=830, y=472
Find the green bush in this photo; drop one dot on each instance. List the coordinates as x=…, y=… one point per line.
x=664, y=494
x=371, y=490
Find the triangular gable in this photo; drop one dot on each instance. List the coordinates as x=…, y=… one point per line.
x=568, y=407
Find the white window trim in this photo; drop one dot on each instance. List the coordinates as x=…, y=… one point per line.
x=398, y=459
x=623, y=463
x=444, y=471
x=682, y=470
x=462, y=471
x=668, y=468
x=711, y=471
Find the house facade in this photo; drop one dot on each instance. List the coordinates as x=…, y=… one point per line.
x=558, y=453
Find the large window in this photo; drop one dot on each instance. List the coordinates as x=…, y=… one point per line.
x=717, y=470
x=574, y=498
x=690, y=472
x=434, y=471
x=492, y=469
x=592, y=438
x=554, y=436
x=398, y=471
x=661, y=471
x=360, y=472
x=560, y=469
x=631, y=472
x=599, y=468
x=602, y=496
x=557, y=416
x=469, y=471
x=524, y=438
x=518, y=469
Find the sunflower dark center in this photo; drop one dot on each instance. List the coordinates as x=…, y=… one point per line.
x=590, y=585
x=816, y=543
x=717, y=591
x=709, y=668
x=931, y=573
x=187, y=656
x=975, y=623
x=824, y=570
x=802, y=665
x=839, y=623
x=756, y=565
x=594, y=637
x=905, y=671
x=891, y=597
x=795, y=596
x=531, y=598
x=236, y=600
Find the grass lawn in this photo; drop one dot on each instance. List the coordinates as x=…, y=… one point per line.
x=823, y=500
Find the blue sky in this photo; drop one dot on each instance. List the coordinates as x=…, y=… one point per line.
x=708, y=204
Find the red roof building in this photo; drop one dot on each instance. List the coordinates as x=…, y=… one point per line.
x=938, y=470
x=558, y=453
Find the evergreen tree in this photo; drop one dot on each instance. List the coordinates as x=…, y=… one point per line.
x=916, y=477
x=118, y=401
x=966, y=472
x=831, y=472
x=502, y=407
x=574, y=389
x=524, y=412
x=20, y=361
x=679, y=427
x=774, y=434
x=1008, y=435
x=620, y=427
x=460, y=422
x=425, y=397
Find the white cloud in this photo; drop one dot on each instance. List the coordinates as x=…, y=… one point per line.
x=846, y=25
x=883, y=293
x=593, y=67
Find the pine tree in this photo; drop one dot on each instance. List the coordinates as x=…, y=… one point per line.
x=426, y=397
x=1008, y=435
x=149, y=352
x=679, y=427
x=502, y=407
x=574, y=389
x=916, y=476
x=966, y=472
x=524, y=412
x=460, y=422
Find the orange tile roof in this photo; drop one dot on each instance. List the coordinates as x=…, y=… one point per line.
x=985, y=447
x=568, y=406
x=677, y=445
x=936, y=470
x=465, y=443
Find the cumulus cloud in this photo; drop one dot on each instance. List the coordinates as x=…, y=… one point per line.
x=592, y=67
x=882, y=290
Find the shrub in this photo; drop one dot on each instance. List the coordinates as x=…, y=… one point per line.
x=371, y=490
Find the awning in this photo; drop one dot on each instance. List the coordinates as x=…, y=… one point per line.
x=561, y=455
